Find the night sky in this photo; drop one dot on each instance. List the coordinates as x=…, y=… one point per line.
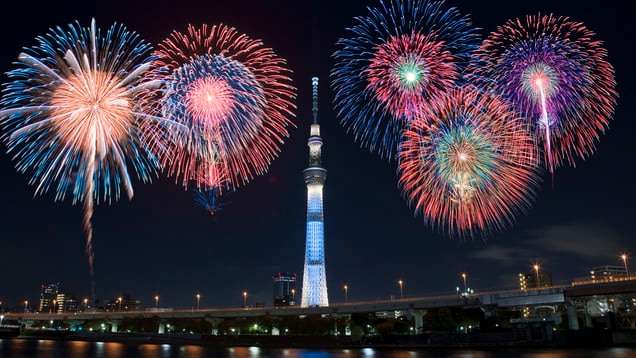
x=162, y=243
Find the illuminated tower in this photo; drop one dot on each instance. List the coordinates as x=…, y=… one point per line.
x=314, y=276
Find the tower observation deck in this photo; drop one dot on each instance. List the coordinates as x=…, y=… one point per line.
x=314, y=290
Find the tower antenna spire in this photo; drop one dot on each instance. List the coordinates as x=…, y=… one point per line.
x=314, y=93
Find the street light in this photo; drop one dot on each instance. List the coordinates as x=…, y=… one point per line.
x=465, y=287
x=157, y=302
x=119, y=300
x=85, y=304
x=244, y=298
x=346, y=288
x=624, y=257
x=401, y=283
x=198, y=300
x=536, y=269
x=26, y=303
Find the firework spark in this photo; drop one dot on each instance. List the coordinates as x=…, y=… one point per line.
x=399, y=56
x=468, y=165
x=230, y=98
x=70, y=116
x=213, y=186
x=556, y=74
x=210, y=198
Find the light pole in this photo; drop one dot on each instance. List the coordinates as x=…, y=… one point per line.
x=244, y=298
x=85, y=304
x=293, y=292
x=536, y=269
x=624, y=257
x=465, y=287
x=26, y=304
x=346, y=288
x=198, y=300
x=52, y=306
x=156, y=302
x=400, y=282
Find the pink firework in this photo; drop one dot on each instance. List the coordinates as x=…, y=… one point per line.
x=230, y=102
x=408, y=69
x=556, y=74
x=468, y=164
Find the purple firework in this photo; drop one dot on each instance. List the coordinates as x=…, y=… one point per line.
x=399, y=56
x=556, y=74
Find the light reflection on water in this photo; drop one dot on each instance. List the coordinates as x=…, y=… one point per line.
x=20, y=348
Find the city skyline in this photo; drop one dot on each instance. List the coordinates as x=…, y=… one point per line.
x=529, y=280
x=161, y=243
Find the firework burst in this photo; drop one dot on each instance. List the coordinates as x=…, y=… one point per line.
x=229, y=99
x=556, y=74
x=399, y=56
x=70, y=117
x=468, y=165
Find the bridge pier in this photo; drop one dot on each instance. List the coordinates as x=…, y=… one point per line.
x=74, y=324
x=215, y=324
x=162, y=327
x=573, y=319
x=28, y=323
x=114, y=325
x=419, y=320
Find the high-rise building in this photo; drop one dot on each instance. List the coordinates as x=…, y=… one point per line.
x=48, y=297
x=533, y=280
x=284, y=289
x=314, y=276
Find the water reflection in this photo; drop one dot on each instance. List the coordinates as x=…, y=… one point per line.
x=20, y=348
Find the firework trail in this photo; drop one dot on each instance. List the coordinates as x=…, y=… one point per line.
x=556, y=74
x=468, y=166
x=69, y=116
x=398, y=56
x=230, y=98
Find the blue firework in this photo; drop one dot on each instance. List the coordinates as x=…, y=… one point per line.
x=211, y=199
x=70, y=115
x=399, y=55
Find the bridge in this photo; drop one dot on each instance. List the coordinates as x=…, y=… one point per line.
x=566, y=298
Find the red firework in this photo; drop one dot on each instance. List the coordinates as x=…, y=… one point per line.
x=407, y=70
x=468, y=164
x=229, y=101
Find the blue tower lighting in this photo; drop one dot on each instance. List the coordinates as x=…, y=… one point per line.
x=314, y=291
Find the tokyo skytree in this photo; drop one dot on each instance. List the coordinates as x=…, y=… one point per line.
x=314, y=291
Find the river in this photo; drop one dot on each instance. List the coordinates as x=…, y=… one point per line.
x=32, y=348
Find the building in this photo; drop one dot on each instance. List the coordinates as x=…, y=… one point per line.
x=68, y=303
x=122, y=303
x=534, y=280
x=607, y=272
x=284, y=289
x=48, y=297
x=314, y=276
